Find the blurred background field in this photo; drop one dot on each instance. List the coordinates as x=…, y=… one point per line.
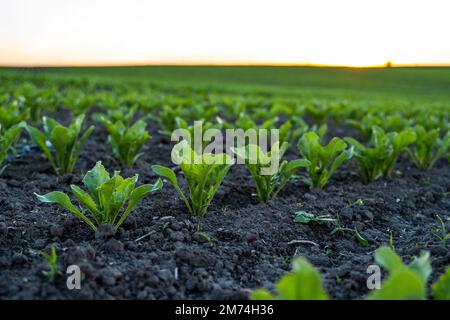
x=410, y=85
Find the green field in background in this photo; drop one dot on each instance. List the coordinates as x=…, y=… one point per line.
x=431, y=85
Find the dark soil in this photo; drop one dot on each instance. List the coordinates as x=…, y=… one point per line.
x=163, y=253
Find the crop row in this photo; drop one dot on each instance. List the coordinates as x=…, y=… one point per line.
x=126, y=119
x=383, y=133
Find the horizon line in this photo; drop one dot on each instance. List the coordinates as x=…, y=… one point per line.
x=386, y=65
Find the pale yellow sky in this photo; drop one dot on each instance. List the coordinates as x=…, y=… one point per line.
x=345, y=32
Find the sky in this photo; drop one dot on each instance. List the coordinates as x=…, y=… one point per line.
x=131, y=32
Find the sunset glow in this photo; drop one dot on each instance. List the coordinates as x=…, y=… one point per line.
x=112, y=32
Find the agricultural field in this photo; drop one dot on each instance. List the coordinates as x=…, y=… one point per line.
x=88, y=180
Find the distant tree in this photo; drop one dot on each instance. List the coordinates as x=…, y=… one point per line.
x=388, y=64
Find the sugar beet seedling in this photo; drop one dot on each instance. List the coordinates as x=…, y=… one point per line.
x=203, y=173
x=380, y=158
x=269, y=183
x=106, y=197
x=65, y=141
x=324, y=160
x=8, y=138
x=126, y=139
x=52, y=263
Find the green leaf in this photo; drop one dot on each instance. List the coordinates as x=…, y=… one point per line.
x=404, y=139
x=94, y=178
x=296, y=164
x=261, y=294
x=262, y=166
x=106, y=197
x=63, y=200
x=165, y=173
x=49, y=124
x=86, y=135
x=125, y=141
x=344, y=156
x=402, y=284
x=39, y=138
x=441, y=288
x=203, y=173
x=306, y=217
x=121, y=193
x=303, y=283
x=324, y=160
x=105, y=193
x=360, y=239
x=7, y=140
x=422, y=265
x=303, y=217
x=62, y=141
x=388, y=259
x=355, y=143
x=86, y=200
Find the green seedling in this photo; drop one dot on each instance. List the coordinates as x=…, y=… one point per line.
x=106, y=197
x=380, y=159
x=339, y=229
x=268, y=172
x=405, y=282
x=358, y=202
x=207, y=237
x=301, y=127
x=391, y=240
x=303, y=283
x=204, y=235
x=203, y=173
x=166, y=118
x=36, y=100
x=114, y=115
x=245, y=122
x=428, y=147
x=60, y=145
x=305, y=217
x=52, y=263
x=394, y=122
x=8, y=139
x=12, y=116
x=441, y=233
x=171, y=110
x=324, y=160
x=318, y=111
x=164, y=226
x=198, y=128
x=126, y=141
x=441, y=288
x=79, y=102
